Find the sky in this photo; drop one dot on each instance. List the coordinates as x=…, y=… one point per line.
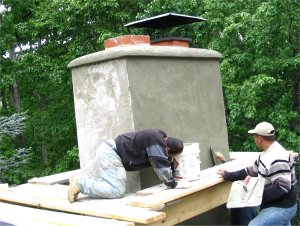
x=2, y=8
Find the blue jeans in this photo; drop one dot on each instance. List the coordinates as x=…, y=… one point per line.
x=242, y=216
x=274, y=216
x=111, y=182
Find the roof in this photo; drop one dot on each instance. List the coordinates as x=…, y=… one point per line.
x=166, y=20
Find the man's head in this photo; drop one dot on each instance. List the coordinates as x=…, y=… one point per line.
x=264, y=135
x=175, y=146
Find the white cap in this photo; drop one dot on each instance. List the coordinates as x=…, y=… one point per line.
x=263, y=129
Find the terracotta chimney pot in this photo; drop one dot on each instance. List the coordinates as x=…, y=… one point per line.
x=127, y=40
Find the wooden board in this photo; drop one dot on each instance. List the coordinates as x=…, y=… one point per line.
x=152, y=190
x=167, y=196
x=240, y=154
x=60, y=178
x=171, y=205
x=55, y=197
x=195, y=204
x=207, y=179
x=3, y=187
x=20, y=215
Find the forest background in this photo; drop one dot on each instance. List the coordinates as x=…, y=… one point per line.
x=260, y=69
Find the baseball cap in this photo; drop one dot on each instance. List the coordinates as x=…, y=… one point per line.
x=263, y=129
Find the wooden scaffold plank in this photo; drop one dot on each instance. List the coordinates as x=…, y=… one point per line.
x=55, y=197
x=21, y=215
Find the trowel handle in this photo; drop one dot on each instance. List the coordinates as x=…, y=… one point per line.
x=246, y=182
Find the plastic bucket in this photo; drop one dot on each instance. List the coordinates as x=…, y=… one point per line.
x=187, y=164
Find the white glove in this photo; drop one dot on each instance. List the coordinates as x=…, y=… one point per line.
x=182, y=184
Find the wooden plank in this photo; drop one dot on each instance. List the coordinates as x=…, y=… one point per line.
x=3, y=187
x=152, y=190
x=55, y=197
x=207, y=179
x=157, y=199
x=20, y=215
x=194, y=204
x=240, y=154
x=197, y=203
x=60, y=178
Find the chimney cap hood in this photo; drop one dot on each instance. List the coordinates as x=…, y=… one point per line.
x=166, y=20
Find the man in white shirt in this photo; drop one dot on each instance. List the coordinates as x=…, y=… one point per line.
x=277, y=166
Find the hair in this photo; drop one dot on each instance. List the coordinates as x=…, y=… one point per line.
x=175, y=145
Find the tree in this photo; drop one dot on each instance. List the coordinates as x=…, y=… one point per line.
x=10, y=159
x=48, y=35
x=260, y=67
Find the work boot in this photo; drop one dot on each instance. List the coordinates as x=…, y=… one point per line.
x=74, y=189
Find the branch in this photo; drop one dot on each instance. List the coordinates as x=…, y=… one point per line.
x=13, y=125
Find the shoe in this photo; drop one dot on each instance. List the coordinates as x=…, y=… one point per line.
x=74, y=189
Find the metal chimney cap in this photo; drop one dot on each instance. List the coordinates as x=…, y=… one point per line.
x=166, y=20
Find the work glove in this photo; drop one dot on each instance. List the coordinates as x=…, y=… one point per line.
x=183, y=184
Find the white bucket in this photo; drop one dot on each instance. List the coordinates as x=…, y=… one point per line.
x=187, y=164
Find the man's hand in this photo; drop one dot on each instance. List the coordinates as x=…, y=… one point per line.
x=221, y=172
x=221, y=158
x=182, y=184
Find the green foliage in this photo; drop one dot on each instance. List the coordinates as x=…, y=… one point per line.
x=10, y=159
x=56, y=32
x=11, y=166
x=260, y=66
x=13, y=125
x=69, y=162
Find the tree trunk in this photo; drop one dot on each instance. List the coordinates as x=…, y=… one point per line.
x=40, y=109
x=296, y=98
x=16, y=98
x=3, y=102
x=44, y=154
x=14, y=88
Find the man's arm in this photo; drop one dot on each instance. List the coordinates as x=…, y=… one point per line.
x=233, y=176
x=163, y=167
x=161, y=164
